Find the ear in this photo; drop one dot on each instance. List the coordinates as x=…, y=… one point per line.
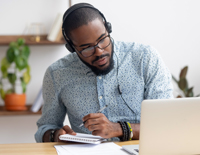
x=109, y=27
x=69, y=45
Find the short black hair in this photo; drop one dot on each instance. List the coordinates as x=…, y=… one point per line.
x=78, y=18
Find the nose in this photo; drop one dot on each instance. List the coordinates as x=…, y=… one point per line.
x=98, y=51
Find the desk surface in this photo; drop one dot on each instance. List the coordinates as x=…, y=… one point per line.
x=40, y=148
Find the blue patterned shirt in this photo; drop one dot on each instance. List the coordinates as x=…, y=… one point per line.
x=70, y=87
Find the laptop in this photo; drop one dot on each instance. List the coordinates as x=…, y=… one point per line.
x=169, y=126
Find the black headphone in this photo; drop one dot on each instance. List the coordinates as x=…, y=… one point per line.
x=68, y=44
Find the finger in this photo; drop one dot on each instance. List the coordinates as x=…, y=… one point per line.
x=94, y=127
x=92, y=115
x=65, y=130
x=68, y=130
x=90, y=122
x=58, y=133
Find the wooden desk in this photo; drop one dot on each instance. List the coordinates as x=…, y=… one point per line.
x=39, y=148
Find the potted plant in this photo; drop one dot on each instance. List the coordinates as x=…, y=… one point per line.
x=183, y=84
x=15, y=67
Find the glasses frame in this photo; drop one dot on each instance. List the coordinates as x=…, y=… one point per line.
x=95, y=46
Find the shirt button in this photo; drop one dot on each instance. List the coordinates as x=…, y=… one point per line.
x=100, y=97
x=100, y=77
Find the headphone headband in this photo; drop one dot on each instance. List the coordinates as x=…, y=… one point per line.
x=74, y=8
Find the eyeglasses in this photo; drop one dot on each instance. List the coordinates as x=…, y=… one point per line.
x=102, y=44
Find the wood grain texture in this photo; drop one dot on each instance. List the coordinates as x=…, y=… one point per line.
x=4, y=112
x=6, y=39
x=40, y=148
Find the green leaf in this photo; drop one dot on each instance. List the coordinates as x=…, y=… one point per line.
x=12, y=78
x=16, y=52
x=23, y=84
x=4, y=71
x=25, y=51
x=21, y=62
x=190, y=92
x=26, y=77
x=13, y=45
x=2, y=93
x=4, y=67
x=4, y=62
x=10, y=55
x=182, y=83
x=174, y=79
x=28, y=68
x=20, y=41
x=183, y=72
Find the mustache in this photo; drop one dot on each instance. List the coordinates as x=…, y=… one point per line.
x=100, y=57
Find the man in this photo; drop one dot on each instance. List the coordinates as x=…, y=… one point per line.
x=99, y=72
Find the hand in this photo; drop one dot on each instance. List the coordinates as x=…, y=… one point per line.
x=65, y=130
x=101, y=126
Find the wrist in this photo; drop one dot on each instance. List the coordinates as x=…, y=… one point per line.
x=52, y=135
x=126, y=130
x=117, y=130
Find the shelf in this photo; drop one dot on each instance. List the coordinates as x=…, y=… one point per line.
x=4, y=112
x=6, y=39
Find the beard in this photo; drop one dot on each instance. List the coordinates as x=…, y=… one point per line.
x=104, y=71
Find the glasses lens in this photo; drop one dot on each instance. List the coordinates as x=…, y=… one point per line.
x=88, y=51
x=103, y=43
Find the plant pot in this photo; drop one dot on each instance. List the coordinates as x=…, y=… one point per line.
x=15, y=102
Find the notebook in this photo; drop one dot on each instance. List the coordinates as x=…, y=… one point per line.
x=170, y=126
x=82, y=138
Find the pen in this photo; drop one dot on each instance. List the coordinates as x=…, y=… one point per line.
x=99, y=111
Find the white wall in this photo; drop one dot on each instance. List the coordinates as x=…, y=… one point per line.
x=172, y=27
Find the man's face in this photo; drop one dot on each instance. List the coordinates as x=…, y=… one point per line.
x=85, y=36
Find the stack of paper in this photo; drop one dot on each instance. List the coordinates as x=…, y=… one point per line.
x=108, y=148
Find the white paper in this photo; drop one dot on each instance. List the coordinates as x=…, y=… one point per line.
x=108, y=148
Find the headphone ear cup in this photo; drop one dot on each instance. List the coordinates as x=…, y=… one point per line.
x=69, y=47
x=109, y=27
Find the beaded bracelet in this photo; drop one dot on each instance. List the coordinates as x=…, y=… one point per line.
x=51, y=137
x=126, y=137
x=131, y=131
x=128, y=131
x=125, y=131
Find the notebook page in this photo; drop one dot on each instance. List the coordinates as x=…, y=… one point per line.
x=83, y=138
x=87, y=135
x=108, y=148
